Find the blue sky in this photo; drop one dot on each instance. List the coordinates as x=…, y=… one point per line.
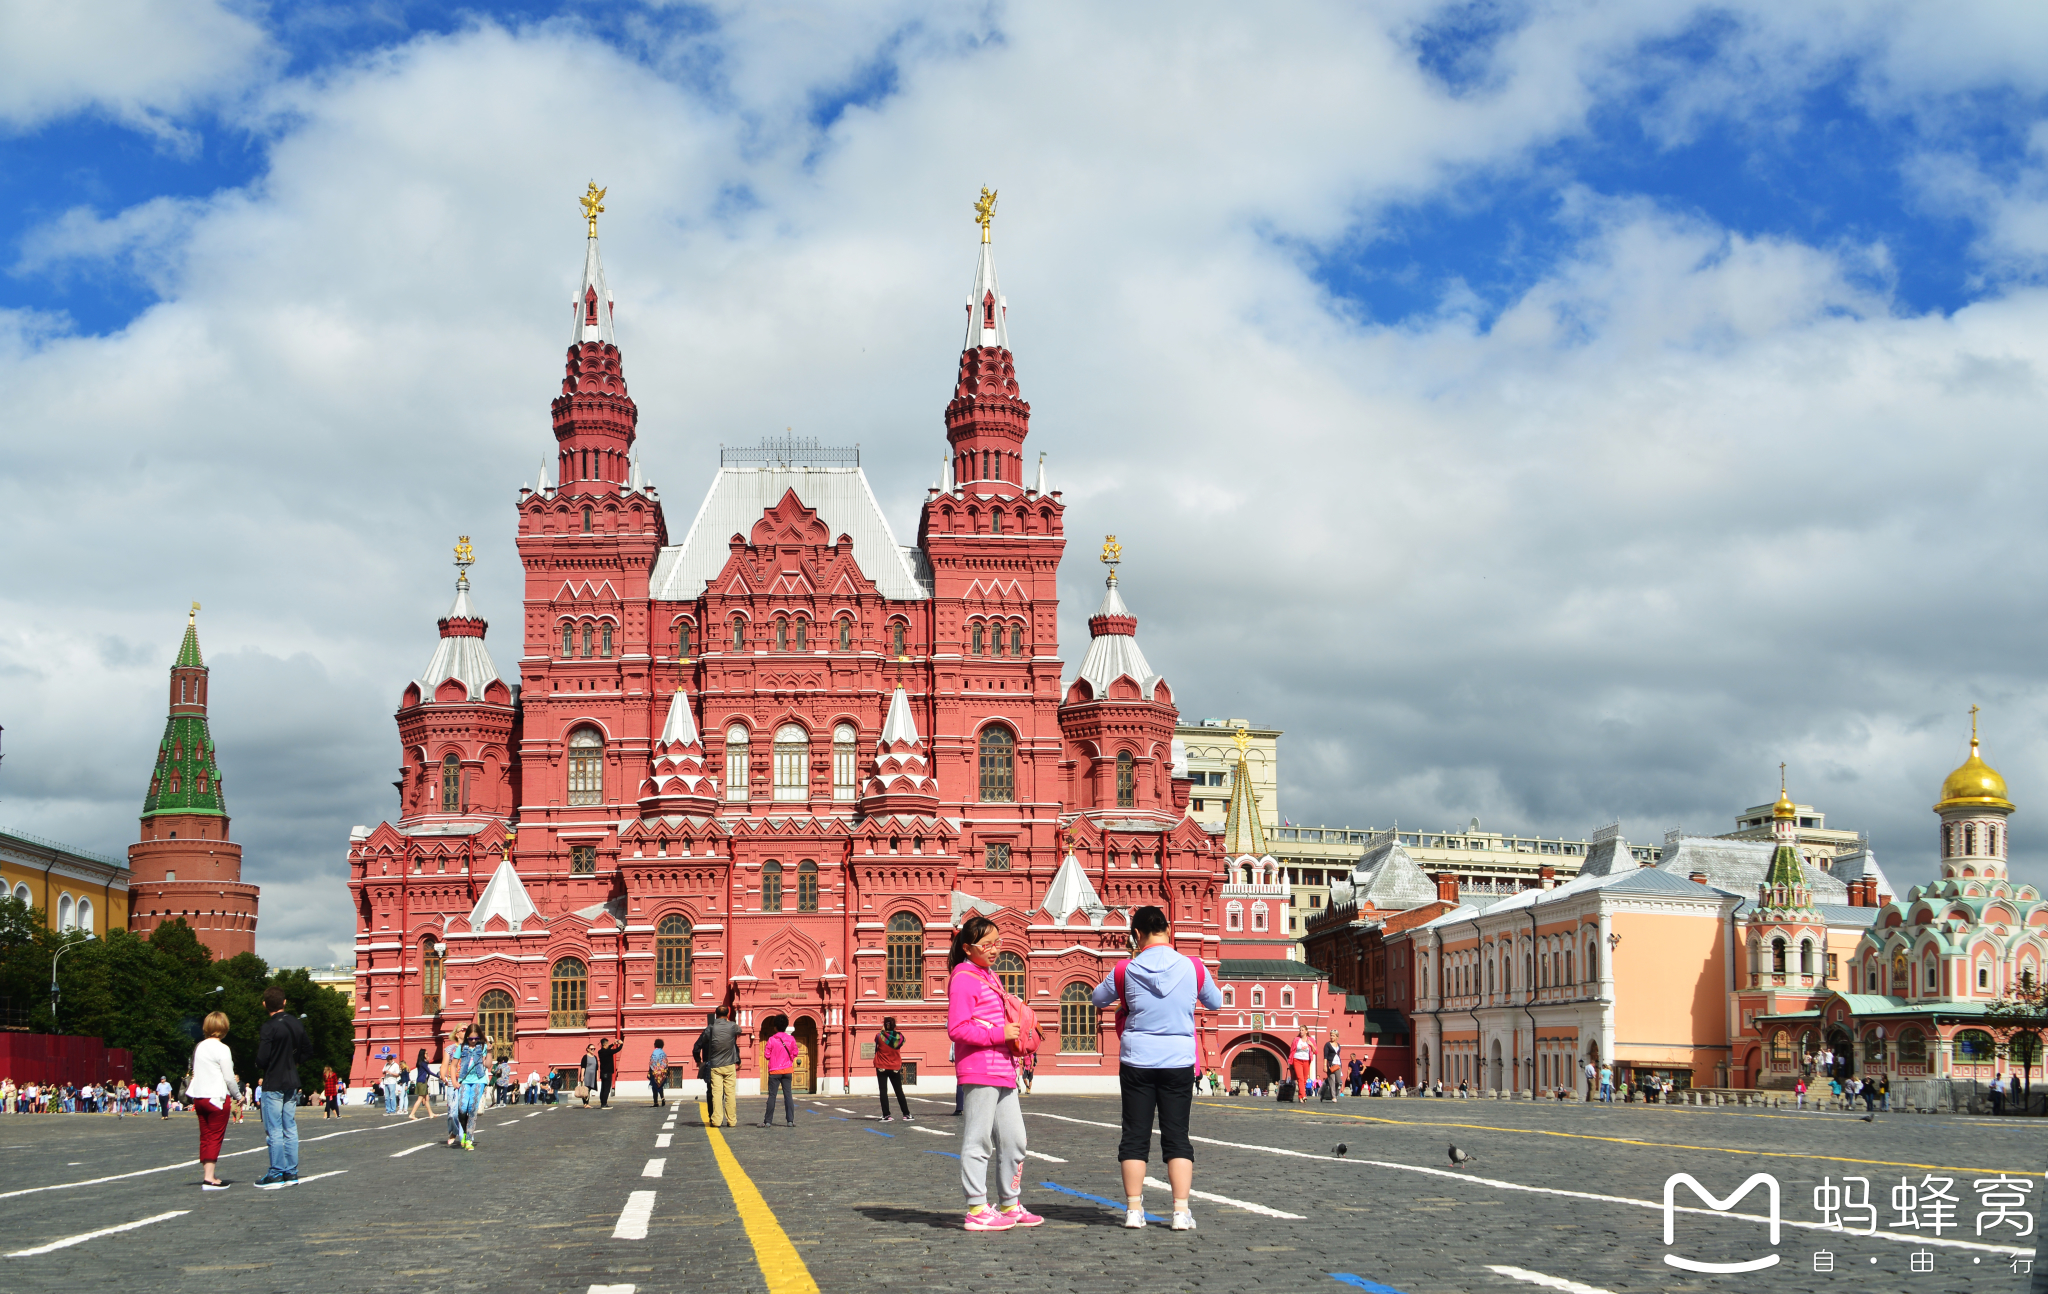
x=1551, y=414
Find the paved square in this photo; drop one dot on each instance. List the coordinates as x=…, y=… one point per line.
x=562, y=1199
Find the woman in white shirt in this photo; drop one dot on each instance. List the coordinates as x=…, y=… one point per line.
x=212, y=1093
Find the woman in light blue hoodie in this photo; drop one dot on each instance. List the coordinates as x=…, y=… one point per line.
x=1160, y=988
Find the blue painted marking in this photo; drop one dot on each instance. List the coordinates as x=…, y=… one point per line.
x=840, y=1118
x=878, y=1132
x=1360, y=1282
x=1107, y=1204
x=947, y=1153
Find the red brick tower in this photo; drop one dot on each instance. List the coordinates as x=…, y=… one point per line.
x=184, y=865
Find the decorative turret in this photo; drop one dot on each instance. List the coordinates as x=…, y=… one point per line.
x=902, y=780
x=1120, y=715
x=988, y=418
x=678, y=782
x=1784, y=887
x=456, y=718
x=1973, y=809
x=1243, y=835
x=184, y=867
x=594, y=416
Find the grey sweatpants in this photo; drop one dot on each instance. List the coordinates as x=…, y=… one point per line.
x=991, y=1113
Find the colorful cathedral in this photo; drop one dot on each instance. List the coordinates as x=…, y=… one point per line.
x=772, y=763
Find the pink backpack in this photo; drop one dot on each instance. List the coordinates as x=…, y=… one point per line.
x=1030, y=1035
x=1123, y=1003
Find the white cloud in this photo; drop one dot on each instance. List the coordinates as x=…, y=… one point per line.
x=142, y=62
x=1694, y=502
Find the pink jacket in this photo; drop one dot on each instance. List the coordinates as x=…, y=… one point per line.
x=974, y=1021
x=782, y=1049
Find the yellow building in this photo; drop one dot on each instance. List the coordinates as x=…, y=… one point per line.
x=342, y=979
x=1210, y=751
x=74, y=889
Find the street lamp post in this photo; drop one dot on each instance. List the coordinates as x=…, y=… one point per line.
x=53, y=972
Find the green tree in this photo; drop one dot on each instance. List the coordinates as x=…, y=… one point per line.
x=2016, y=1020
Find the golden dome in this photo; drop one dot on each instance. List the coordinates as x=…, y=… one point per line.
x=1975, y=784
x=1784, y=808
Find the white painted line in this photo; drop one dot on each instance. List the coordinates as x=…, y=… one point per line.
x=508, y=1123
x=611, y=1289
x=633, y=1218
x=1547, y=1282
x=417, y=1149
x=1497, y=1184
x=842, y=1109
x=1246, y=1205
x=654, y=1167
x=1050, y=1159
x=661, y=1140
x=186, y=1163
x=69, y=1241
x=937, y=1132
x=536, y=1114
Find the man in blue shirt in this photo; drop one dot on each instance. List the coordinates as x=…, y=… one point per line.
x=1160, y=988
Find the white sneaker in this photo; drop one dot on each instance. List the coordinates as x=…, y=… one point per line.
x=1134, y=1218
x=1183, y=1220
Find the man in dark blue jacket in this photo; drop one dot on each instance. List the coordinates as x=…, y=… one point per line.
x=280, y=1048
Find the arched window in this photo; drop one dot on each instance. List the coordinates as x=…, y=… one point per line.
x=739, y=633
x=905, y=967
x=781, y=634
x=683, y=640
x=431, y=965
x=802, y=641
x=1079, y=1019
x=568, y=995
x=1912, y=1047
x=771, y=886
x=1933, y=975
x=1233, y=916
x=1286, y=997
x=586, y=767
x=1568, y=967
x=843, y=762
x=736, y=762
x=1259, y=916
x=792, y=754
x=807, y=886
x=1777, y=956
x=995, y=522
x=1017, y=640
x=497, y=1016
x=568, y=639
x=1009, y=969
x=674, y=958
x=1126, y=781
x=1984, y=973
x=588, y=633
x=1781, y=1048
x=451, y=784
x=998, y=765
x=1489, y=975
x=977, y=640
x=1806, y=956
x=21, y=892
x=1258, y=995
x=1229, y=995
x=586, y=521
x=606, y=648
x=83, y=916
x=896, y=637
x=845, y=634
x=1974, y=1047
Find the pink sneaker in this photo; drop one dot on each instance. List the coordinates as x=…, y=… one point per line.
x=1020, y=1216
x=988, y=1219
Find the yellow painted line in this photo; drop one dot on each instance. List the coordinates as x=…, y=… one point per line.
x=1654, y=1145
x=781, y=1267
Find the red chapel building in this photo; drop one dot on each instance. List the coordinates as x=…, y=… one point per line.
x=773, y=761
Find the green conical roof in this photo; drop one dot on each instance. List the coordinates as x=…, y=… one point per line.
x=188, y=651
x=186, y=778
x=1785, y=868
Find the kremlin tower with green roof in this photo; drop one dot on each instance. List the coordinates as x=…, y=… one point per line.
x=184, y=866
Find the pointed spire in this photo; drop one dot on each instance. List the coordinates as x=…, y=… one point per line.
x=1243, y=833
x=186, y=778
x=591, y=308
x=987, y=420
x=946, y=473
x=681, y=728
x=461, y=654
x=986, y=324
x=189, y=657
x=1040, y=488
x=1113, y=650
x=1071, y=892
x=505, y=896
x=899, y=726
x=594, y=416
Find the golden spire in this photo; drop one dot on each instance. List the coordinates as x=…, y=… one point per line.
x=1243, y=833
x=1112, y=555
x=1784, y=808
x=1974, y=784
x=984, y=211
x=593, y=202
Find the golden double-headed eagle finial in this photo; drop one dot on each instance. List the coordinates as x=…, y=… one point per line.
x=465, y=557
x=985, y=210
x=1112, y=554
x=593, y=202
x=1243, y=738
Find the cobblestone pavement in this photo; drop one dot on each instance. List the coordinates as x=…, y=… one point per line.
x=1553, y=1193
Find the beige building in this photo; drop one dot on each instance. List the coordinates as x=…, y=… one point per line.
x=1210, y=747
x=1818, y=843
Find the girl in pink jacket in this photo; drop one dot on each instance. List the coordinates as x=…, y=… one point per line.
x=985, y=1067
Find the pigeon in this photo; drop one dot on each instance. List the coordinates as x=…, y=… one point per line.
x=1459, y=1158
x=1870, y=1118
x=1343, y=1149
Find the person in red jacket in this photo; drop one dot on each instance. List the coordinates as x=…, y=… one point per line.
x=889, y=1067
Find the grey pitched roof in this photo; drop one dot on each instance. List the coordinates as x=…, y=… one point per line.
x=462, y=657
x=738, y=497
x=1850, y=868
x=1388, y=879
x=1650, y=880
x=504, y=897
x=1835, y=914
x=1606, y=857
x=1112, y=655
x=1071, y=892
x=1265, y=968
x=1739, y=866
